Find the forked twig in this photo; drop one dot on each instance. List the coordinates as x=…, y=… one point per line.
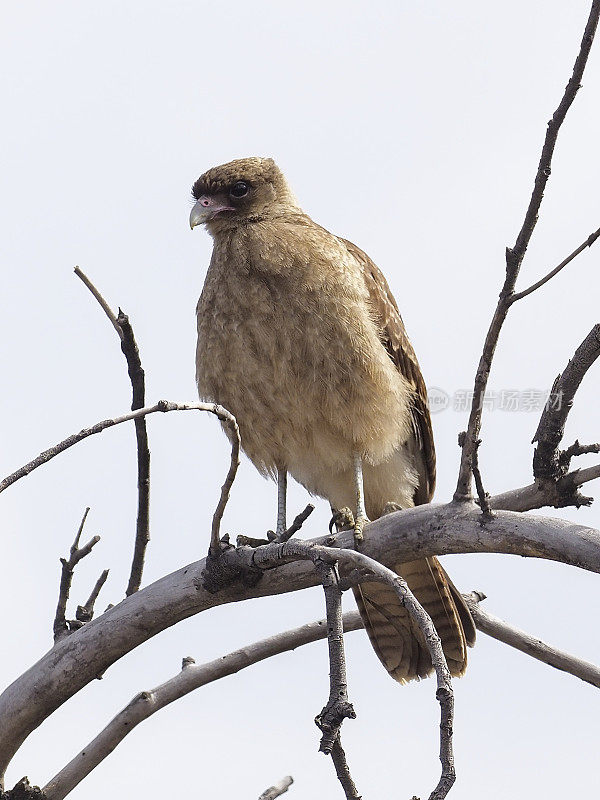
x=61, y=627
x=588, y=243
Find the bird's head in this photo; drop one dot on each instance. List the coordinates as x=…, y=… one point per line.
x=245, y=190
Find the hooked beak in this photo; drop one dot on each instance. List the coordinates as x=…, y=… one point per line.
x=205, y=209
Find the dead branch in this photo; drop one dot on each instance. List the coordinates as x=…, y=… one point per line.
x=338, y=756
x=515, y=255
x=195, y=676
x=190, y=677
x=484, y=498
x=498, y=629
x=548, y=463
x=136, y=375
x=85, y=613
x=278, y=789
x=338, y=707
x=588, y=243
x=162, y=406
x=349, y=560
x=61, y=627
x=536, y=495
x=401, y=536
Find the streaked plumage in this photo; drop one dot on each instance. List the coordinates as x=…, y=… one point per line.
x=300, y=338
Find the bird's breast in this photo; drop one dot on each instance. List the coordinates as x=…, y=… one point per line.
x=299, y=362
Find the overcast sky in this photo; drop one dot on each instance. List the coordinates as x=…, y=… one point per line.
x=411, y=128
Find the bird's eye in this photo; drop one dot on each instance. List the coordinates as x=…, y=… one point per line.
x=239, y=189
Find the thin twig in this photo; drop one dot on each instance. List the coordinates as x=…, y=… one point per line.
x=514, y=258
x=484, y=498
x=163, y=406
x=338, y=756
x=298, y=522
x=498, y=629
x=548, y=463
x=577, y=449
x=61, y=626
x=231, y=427
x=338, y=707
x=277, y=789
x=85, y=613
x=106, y=308
x=131, y=352
x=588, y=243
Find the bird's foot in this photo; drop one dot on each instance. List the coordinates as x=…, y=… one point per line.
x=359, y=524
x=342, y=519
x=250, y=541
x=390, y=507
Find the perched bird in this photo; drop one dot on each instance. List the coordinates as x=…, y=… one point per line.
x=301, y=339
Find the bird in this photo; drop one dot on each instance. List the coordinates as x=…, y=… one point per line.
x=301, y=339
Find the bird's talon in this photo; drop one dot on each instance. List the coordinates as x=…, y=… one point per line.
x=342, y=519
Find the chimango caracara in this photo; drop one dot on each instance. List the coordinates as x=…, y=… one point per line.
x=300, y=337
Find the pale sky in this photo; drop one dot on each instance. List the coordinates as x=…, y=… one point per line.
x=413, y=129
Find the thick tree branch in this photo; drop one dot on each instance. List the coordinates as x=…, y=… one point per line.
x=195, y=676
x=515, y=255
x=498, y=629
x=402, y=536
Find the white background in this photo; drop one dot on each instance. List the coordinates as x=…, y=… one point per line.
x=413, y=129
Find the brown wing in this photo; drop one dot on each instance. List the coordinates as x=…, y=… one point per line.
x=396, y=641
x=396, y=342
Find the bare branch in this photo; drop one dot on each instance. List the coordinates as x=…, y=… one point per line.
x=136, y=375
x=163, y=406
x=402, y=536
x=484, y=498
x=102, y=302
x=298, y=522
x=547, y=462
x=61, y=627
x=338, y=707
x=191, y=677
x=278, y=789
x=233, y=432
x=515, y=255
x=540, y=495
x=85, y=613
x=588, y=243
x=498, y=629
x=272, y=554
x=338, y=756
